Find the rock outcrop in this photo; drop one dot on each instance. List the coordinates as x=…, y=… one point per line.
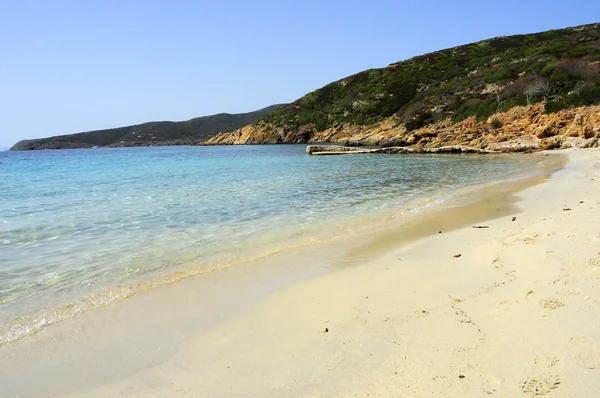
x=517, y=130
x=348, y=150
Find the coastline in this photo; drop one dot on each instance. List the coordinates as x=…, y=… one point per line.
x=324, y=218
x=518, y=129
x=379, y=341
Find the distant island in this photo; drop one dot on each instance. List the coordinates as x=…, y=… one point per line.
x=516, y=93
x=189, y=132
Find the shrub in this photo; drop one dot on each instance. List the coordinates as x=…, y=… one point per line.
x=417, y=122
x=537, y=88
x=496, y=123
x=576, y=67
x=554, y=106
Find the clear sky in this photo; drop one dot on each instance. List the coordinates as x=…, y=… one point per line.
x=71, y=66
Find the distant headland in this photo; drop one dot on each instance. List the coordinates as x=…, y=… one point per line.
x=189, y=132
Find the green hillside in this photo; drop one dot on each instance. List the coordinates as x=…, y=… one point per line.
x=558, y=66
x=192, y=131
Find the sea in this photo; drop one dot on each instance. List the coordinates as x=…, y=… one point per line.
x=85, y=228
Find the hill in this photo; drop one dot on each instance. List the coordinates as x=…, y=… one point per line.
x=188, y=132
x=404, y=103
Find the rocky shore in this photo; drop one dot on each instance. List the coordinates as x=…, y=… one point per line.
x=520, y=129
x=348, y=150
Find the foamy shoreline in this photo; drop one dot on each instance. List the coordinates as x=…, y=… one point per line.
x=517, y=313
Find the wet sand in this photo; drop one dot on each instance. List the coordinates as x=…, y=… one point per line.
x=516, y=314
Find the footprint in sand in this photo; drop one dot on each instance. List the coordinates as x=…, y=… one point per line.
x=594, y=262
x=539, y=385
x=547, y=362
x=590, y=359
x=551, y=304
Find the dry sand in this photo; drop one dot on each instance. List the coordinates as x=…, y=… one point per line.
x=516, y=314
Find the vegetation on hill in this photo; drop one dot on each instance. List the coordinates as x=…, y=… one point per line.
x=188, y=132
x=559, y=67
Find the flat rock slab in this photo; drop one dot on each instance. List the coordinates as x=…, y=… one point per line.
x=346, y=150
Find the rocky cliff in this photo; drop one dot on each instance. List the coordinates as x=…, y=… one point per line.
x=521, y=128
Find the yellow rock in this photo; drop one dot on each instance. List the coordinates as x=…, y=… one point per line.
x=524, y=128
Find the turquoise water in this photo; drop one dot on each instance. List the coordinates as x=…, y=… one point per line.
x=82, y=228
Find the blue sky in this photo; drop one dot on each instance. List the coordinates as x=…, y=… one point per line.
x=70, y=66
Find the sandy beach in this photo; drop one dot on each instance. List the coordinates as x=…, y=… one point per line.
x=509, y=310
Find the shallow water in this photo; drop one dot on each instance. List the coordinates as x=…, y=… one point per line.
x=83, y=228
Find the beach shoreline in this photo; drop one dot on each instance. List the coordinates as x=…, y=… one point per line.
x=189, y=237
x=408, y=322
